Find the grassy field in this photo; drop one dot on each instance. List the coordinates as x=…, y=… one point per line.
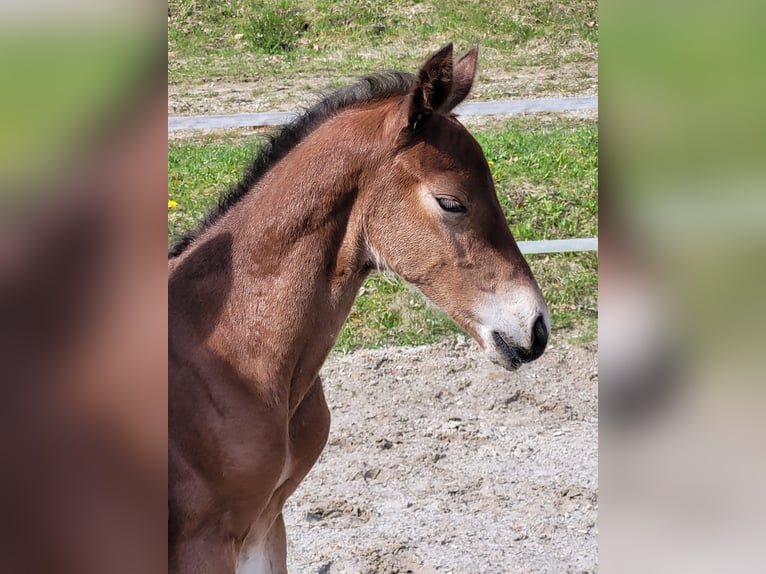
x=322, y=42
x=283, y=53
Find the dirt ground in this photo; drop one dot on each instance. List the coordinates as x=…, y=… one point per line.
x=440, y=461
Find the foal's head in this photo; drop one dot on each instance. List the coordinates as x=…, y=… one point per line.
x=433, y=217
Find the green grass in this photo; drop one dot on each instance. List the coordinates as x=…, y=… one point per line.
x=546, y=177
x=549, y=174
x=390, y=312
x=273, y=28
x=253, y=40
x=198, y=174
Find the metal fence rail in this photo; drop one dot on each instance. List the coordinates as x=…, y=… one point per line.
x=558, y=245
x=499, y=107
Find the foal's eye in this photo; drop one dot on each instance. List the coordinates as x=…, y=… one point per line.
x=451, y=205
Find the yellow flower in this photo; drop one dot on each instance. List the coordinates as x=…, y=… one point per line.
x=172, y=204
x=490, y=162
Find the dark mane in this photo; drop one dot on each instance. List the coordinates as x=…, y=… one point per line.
x=368, y=89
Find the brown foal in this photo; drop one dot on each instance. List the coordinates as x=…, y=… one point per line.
x=380, y=175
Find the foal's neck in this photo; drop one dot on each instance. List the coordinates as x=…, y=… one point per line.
x=300, y=253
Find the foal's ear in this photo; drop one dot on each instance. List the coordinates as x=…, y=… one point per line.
x=441, y=85
x=432, y=87
x=462, y=79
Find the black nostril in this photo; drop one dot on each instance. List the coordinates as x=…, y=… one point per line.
x=539, y=338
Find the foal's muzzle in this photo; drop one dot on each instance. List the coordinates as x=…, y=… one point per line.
x=514, y=356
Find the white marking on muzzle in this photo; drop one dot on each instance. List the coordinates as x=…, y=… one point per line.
x=513, y=315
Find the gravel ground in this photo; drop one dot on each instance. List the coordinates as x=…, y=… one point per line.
x=439, y=461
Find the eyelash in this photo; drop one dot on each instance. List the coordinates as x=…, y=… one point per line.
x=450, y=205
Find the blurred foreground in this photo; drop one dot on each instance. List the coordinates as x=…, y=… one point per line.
x=682, y=235
x=83, y=411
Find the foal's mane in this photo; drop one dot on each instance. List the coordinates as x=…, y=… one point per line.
x=368, y=89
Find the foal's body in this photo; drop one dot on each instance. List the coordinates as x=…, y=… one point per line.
x=263, y=435
x=257, y=300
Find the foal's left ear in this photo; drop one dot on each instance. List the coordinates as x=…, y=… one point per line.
x=440, y=85
x=432, y=88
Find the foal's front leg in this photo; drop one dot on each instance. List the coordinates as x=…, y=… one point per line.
x=308, y=430
x=269, y=556
x=206, y=552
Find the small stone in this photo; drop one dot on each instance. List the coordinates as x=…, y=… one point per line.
x=521, y=536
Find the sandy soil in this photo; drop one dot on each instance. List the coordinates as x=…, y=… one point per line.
x=439, y=461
